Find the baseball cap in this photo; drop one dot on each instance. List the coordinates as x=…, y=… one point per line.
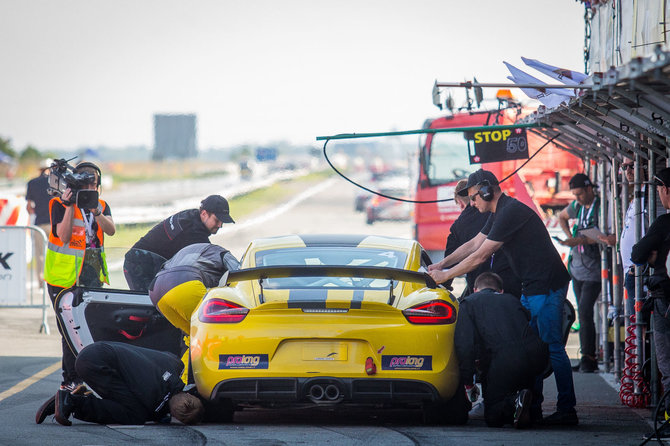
x=662, y=178
x=217, y=205
x=580, y=180
x=460, y=186
x=476, y=178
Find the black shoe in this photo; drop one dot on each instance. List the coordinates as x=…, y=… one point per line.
x=663, y=433
x=536, y=416
x=47, y=408
x=562, y=418
x=522, y=411
x=63, y=407
x=588, y=365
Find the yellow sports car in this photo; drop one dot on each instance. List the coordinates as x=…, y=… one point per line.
x=330, y=319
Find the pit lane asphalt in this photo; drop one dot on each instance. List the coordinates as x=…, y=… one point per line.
x=25, y=352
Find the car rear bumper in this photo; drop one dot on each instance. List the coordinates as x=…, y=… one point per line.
x=325, y=390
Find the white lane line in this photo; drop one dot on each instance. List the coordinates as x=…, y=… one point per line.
x=30, y=381
x=229, y=229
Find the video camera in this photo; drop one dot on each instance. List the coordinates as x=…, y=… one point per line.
x=62, y=175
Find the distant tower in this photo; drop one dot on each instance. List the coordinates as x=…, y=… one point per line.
x=174, y=136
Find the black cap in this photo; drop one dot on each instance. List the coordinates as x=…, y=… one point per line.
x=580, y=180
x=662, y=178
x=476, y=178
x=217, y=205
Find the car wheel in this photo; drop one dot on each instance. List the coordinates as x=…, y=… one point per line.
x=219, y=411
x=451, y=412
x=370, y=217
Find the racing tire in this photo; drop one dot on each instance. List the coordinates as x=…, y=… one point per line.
x=452, y=412
x=370, y=217
x=219, y=411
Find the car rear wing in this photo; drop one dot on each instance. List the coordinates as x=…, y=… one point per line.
x=366, y=272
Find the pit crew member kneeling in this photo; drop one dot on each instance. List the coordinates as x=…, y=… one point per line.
x=135, y=385
x=493, y=328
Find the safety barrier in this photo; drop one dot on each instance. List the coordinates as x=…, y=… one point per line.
x=22, y=252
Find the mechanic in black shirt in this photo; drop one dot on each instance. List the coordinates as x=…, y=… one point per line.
x=509, y=351
x=466, y=227
x=519, y=233
x=652, y=249
x=164, y=240
x=135, y=385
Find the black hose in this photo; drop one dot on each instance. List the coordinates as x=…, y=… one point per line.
x=423, y=201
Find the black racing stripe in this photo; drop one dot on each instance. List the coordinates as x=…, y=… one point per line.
x=332, y=239
x=299, y=297
x=357, y=299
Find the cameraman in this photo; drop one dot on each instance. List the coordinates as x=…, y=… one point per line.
x=75, y=252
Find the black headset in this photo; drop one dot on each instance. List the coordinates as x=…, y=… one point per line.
x=84, y=164
x=486, y=191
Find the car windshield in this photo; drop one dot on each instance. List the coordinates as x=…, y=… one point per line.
x=329, y=256
x=448, y=158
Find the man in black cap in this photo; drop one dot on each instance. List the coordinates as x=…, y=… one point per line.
x=652, y=249
x=169, y=236
x=519, y=233
x=465, y=227
x=583, y=263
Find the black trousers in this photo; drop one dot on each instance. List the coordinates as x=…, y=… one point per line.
x=586, y=293
x=97, y=365
x=69, y=372
x=510, y=369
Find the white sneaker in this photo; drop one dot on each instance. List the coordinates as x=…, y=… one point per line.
x=477, y=411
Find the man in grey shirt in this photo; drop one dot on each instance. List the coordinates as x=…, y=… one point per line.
x=583, y=264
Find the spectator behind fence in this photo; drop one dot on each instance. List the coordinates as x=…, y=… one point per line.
x=37, y=204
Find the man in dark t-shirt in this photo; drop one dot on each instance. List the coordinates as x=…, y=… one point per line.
x=466, y=227
x=653, y=249
x=165, y=239
x=518, y=232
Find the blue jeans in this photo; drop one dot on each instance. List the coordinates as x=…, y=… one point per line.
x=546, y=311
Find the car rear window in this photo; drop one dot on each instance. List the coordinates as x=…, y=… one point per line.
x=329, y=256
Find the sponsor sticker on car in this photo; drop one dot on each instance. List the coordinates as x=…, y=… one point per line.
x=249, y=361
x=407, y=362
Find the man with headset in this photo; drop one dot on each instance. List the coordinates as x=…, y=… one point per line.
x=517, y=231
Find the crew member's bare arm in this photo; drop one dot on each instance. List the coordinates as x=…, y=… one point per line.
x=482, y=254
x=460, y=253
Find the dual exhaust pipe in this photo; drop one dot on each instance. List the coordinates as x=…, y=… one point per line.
x=319, y=393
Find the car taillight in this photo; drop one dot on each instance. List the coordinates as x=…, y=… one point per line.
x=433, y=312
x=219, y=311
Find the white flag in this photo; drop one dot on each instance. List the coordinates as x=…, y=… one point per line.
x=568, y=77
x=550, y=97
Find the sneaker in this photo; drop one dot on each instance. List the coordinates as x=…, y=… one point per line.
x=63, y=407
x=47, y=408
x=522, y=409
x=562, y=418
x=663, y=433
x=477, y=411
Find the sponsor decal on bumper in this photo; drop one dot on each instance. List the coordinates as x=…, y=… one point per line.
x=249, y=361
x=407, y=362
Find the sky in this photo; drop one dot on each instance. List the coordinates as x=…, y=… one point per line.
x=88, y=73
